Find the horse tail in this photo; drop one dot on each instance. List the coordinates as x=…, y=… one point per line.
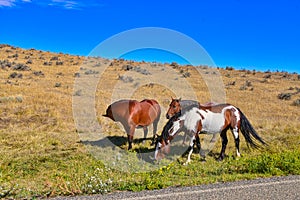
x=248, y=132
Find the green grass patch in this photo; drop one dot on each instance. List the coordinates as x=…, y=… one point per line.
x=77, y=173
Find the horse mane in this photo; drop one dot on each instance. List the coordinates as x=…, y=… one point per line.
x=187, y=103
x=186, y=109
x=165, y=133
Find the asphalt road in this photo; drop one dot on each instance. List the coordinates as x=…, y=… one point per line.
x=281, y=188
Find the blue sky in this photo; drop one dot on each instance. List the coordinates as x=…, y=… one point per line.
x=261, y=35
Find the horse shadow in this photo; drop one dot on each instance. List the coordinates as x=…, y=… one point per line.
x=114, y=142
x=143, y=151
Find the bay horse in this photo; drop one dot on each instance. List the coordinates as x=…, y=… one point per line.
x=210, y=119
x=133, y=114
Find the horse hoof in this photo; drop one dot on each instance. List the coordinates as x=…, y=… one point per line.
x=220, y=159
x=186, y=163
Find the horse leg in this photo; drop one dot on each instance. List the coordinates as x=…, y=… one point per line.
x=184, y=138
x=130, y=134
x=235, y=132
x=198, y=144
x=224, y=144
x=145, y=128
x=154, y=131
x=190, y=150
x=214, y=138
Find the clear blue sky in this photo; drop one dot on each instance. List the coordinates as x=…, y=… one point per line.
x=249, y=34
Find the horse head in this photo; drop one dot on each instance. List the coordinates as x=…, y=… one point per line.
x=162, y=146
x=174, y=108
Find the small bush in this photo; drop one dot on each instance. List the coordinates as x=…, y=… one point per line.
x=38, y=73
x=247, y=85
x=91, y=72
x=13, y=56
x=59, y=63
x=231, y=83
x=18, y=99
x=57, y=85
x=136, y=69
x=77, y=75
x=78, y=93
x=126, y=79
x=15, y=75
x=174, y=65
x=267, y=76
x=47, y=63
x=285, y=96
x=229, y=68
x=54, y=58
x=186, y=74
x=21, y=67
x=127, y=67
x=6, y=64
x=296, y=102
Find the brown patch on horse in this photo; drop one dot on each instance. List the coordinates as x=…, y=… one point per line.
x=199, y=126
x=215, y=108
x=234, y=121
x=228, y=116
x=202, y=117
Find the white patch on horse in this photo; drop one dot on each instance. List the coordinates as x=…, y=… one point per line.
x=212, y=122
x=157, y=149
x=175, y=127
x=191, y=119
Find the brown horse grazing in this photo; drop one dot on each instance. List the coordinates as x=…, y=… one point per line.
x=133, y=114
x=210, y=119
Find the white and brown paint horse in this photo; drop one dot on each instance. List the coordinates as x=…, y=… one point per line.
x=210, y=119
x=177, y=105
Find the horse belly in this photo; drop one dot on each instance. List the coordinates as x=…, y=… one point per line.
x=142, y=119
x=213, y=123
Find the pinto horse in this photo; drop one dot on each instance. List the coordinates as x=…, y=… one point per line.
x=209, y=119
x=133, y=114
x=177, y=105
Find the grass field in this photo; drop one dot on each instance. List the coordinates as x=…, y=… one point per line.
x=51, y=105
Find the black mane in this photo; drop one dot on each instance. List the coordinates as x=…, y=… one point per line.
x=186, y=103
x=165, y=133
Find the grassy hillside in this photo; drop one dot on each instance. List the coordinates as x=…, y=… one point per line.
x=42, y=142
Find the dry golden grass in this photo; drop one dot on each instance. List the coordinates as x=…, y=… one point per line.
x=36, y=117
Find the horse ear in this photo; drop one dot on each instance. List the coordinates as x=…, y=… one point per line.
x=179, y=99
x=172, y=98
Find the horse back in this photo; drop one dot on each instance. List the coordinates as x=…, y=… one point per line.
x=145, y=112
x=215, y=108
x=120, y=110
